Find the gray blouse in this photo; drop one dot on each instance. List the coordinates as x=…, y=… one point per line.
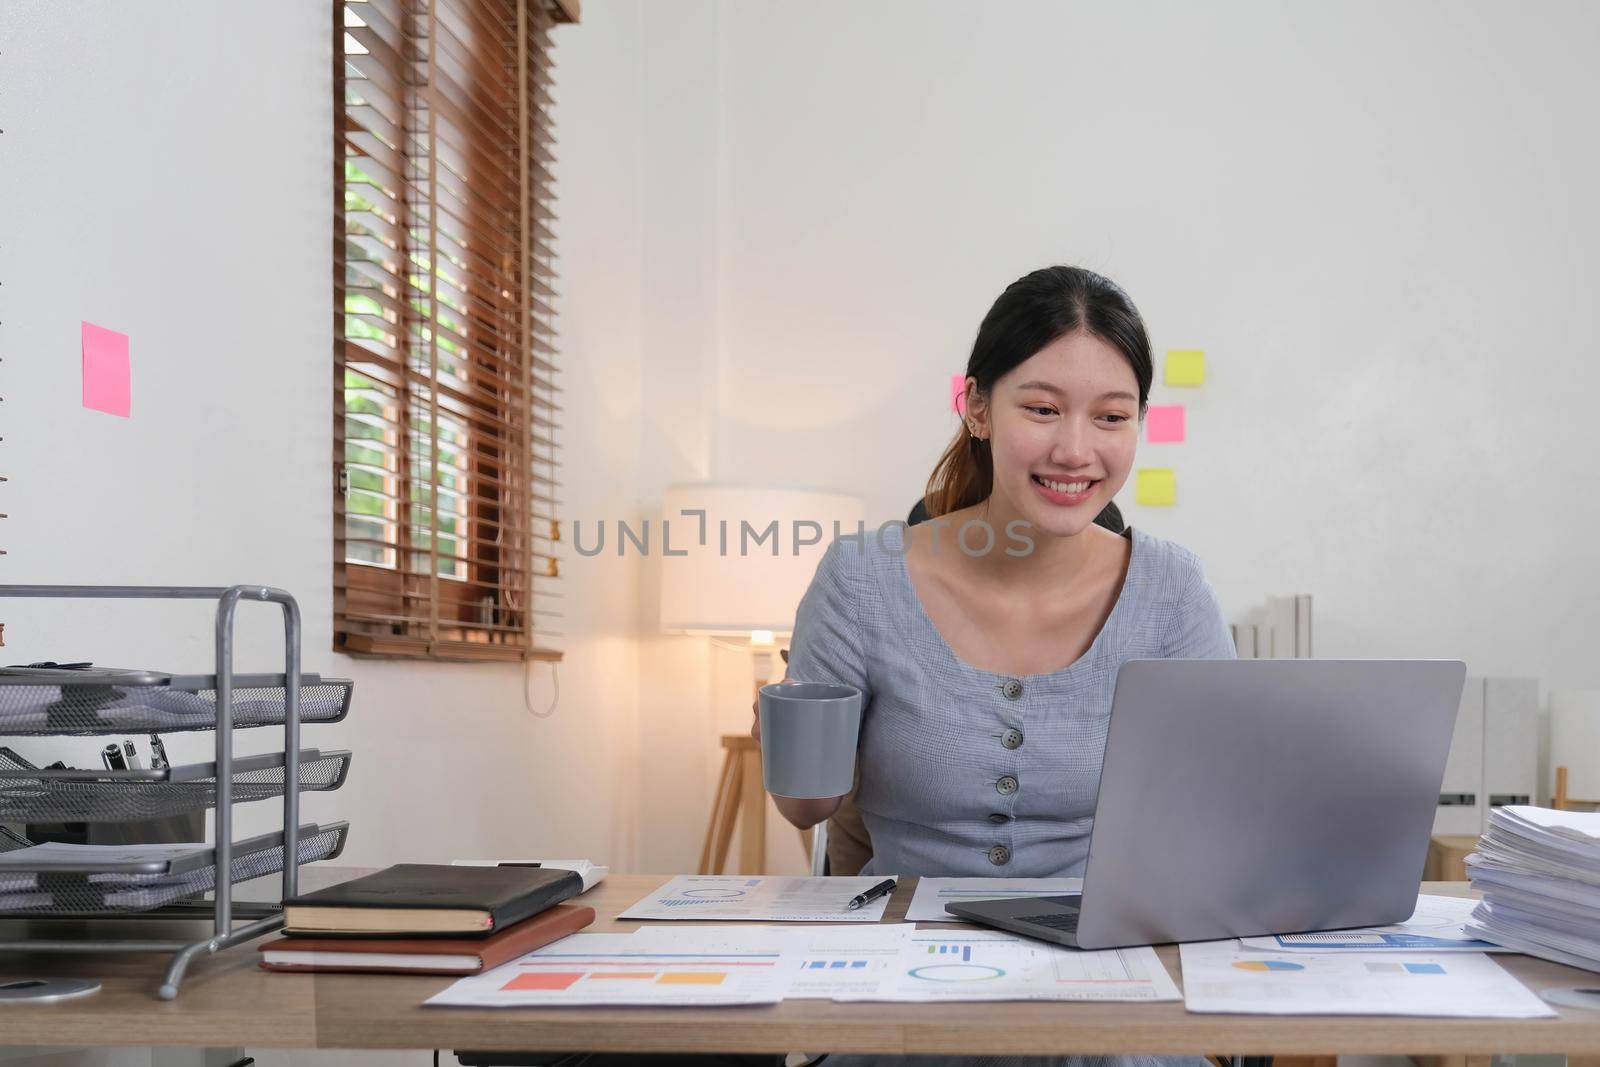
x=967, y=773
x=964, y=772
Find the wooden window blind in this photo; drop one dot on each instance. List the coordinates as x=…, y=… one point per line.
x=445, y=361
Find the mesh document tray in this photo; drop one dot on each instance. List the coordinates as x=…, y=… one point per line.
x=102, y=701
x=134, y=888
x=33, y=795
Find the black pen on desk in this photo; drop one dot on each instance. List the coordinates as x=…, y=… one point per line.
x=882, y=889
x=111, y=756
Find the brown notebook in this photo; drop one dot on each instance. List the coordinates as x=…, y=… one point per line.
x=425, y=955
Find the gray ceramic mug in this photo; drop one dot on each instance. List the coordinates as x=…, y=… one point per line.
x=808, y=738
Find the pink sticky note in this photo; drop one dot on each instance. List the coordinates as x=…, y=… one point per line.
x=1164, y=424
x=958, y=393
x=105, y=370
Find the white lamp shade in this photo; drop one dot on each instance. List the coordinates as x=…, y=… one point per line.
x=749, y=574
x=1575, y=739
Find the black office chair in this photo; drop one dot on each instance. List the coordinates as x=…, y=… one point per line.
x=1110, y=517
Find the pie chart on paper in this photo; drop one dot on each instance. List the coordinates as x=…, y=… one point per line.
x=1268, y=965
x=956, y=972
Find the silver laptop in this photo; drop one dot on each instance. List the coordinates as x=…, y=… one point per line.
x=1250, y=797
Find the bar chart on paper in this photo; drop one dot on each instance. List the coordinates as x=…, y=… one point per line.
x=964, y=950
x=951, y=963
x=843, y=962
x=625, y=969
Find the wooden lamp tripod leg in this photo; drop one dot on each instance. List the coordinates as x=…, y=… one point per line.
x=719, y=830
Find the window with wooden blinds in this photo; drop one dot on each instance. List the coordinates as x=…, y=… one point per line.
x=445, y=392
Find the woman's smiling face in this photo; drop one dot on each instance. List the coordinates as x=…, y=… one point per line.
x=1063, y=427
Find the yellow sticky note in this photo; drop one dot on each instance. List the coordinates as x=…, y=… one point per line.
x=1156, y=487
x=1186, y=367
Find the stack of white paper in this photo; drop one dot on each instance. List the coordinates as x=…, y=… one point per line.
x=1539, y=872
x=21, y=889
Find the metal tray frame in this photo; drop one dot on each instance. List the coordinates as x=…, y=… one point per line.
x=184, y=864
x=62, y=877
x=223, y=932
x=127, y=701
x=154, y=793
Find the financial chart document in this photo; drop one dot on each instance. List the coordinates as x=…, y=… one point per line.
x=1225, y=976
x=940, y=965
x=590, y=969
x=751, y=898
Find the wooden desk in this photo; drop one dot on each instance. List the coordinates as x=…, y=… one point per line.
x=228, y=1001
x=225, y=1001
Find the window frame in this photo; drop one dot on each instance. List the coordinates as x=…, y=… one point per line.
x=500, y=330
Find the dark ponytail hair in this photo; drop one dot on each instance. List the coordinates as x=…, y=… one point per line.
x=1035, y=310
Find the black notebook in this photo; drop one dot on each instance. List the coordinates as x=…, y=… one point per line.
x=424, y=900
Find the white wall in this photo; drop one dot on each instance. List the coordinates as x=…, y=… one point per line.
x=678, y=193
x=1376, y=218
x=1373, y=217
x=167, y=173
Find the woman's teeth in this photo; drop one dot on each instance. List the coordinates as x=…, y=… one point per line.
x=1063, y=487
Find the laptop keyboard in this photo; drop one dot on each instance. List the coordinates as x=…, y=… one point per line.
x=1055, y=920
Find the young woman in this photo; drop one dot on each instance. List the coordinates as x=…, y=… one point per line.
x=986, y=641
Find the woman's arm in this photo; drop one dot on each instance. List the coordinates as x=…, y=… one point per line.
x=807, y=813
x=826, y=647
